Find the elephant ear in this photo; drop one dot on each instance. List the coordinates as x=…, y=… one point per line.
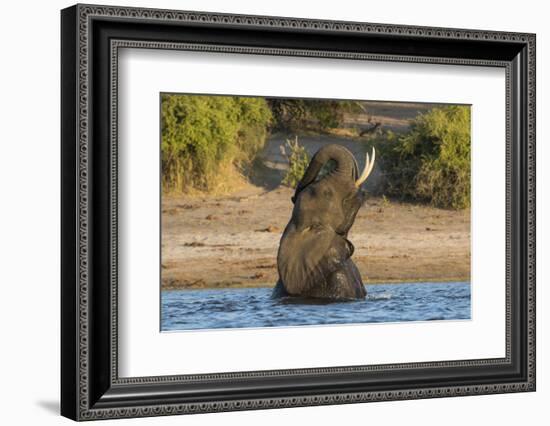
x=306, y=259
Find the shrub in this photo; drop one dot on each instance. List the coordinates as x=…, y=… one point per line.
x=432, y=161
x=298, y=160
x=316, y=114
x=202, y=135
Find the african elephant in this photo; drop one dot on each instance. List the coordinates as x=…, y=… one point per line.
x=314, y=257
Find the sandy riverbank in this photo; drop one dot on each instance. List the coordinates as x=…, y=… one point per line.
x=232, y=241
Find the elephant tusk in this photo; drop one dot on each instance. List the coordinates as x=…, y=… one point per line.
x=369, y=164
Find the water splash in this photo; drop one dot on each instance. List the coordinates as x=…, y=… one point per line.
x=379, y=296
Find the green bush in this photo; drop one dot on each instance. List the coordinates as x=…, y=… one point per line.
x=432, y=161
x=202, y=135
x=298, y=160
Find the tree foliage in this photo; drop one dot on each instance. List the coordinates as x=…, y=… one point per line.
x=203, y=134
x=316, y=114
x=432, y=161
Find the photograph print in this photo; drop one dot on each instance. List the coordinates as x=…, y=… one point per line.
x=283, y=212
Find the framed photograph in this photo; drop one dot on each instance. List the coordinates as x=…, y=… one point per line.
x=263, y=212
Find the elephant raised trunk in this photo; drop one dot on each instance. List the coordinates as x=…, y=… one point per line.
x=314, y=257
x=346, y=166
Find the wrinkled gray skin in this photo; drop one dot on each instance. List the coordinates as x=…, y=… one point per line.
x=314, y=258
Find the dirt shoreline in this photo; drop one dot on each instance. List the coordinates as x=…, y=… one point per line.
x=231, y=241
x=270, y=285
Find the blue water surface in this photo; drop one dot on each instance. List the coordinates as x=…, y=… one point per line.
x=253, y=307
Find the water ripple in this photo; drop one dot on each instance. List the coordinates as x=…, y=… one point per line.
x=238, y=308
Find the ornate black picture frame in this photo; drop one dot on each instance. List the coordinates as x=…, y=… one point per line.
x=91, y=36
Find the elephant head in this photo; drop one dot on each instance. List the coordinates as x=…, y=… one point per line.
x=314, y=257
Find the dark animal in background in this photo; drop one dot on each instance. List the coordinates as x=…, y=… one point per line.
x=314, y=257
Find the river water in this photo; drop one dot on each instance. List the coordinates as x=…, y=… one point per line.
x=253, y=307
